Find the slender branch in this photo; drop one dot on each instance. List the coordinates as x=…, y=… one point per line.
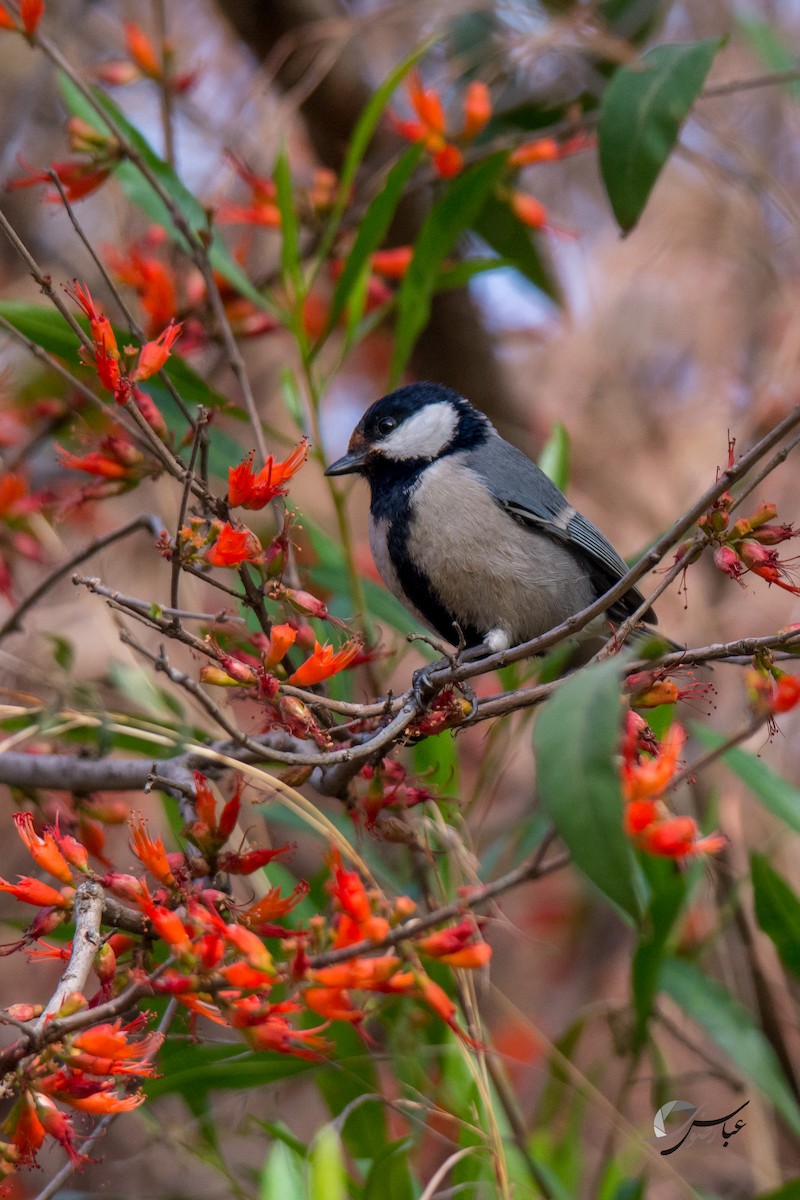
x=202, y=418
x=133, y=325
x=535, y=868
x=194, y=239
x=88, y=915
x=145, y=521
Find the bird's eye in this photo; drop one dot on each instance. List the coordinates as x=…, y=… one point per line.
x=386, y=425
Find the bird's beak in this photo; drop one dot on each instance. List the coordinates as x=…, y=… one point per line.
x=353, y=461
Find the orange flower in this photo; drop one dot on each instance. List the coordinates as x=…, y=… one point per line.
x=43, y=850
x=281, y=639
x=31, y=12
x=151, y=854
x=116, y=458
x=677, y=837
x=324, y=662
x=154, y=354
x=456, y=946
x=106, y=351
x=332, y=1003
x=234, y=546
x=103, y=1102
x=6, y=20
x=542, y=150
x=247, y=489
x=528, y=210
x=152, y=281
x=477, y=109
x=787, y=693
x=78, y=178
x=111, y=1041
x=33, y=891
x=142, y=50
x=169, y=926
x=648, y=778
x=262, y=210
x=392, y=263
x=430, y=126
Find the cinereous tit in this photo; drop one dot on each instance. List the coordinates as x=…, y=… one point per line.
x=466, y=531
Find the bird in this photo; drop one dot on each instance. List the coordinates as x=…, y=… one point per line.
x=467, y=532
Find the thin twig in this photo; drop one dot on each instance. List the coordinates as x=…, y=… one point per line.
x=202, y=418
x=145, y=521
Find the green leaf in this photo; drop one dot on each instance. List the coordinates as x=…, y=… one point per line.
x=776, y=794
x=455, y=212
x=327, y=1178
x=778, y=910
x=389, y=1175
x=192, y=1070
x=513, y=241
x=576, y=741
x=733, y=1029
x=361, y=138
x=788, y=1191
x=460, y=273
x=554, y=458
x=47, y=328
x=766, y=41
x=282, y=1177
x=290, y=239
x=141, y=192
x=641, y=114
x=371, y=231
x=668, y=891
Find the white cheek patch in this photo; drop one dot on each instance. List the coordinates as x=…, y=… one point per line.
x=423, y=435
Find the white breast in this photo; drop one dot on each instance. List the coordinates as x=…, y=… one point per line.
x=487, y=569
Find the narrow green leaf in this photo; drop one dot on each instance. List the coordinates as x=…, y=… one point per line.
x=371, y=231
x=47, y=328
x=282, y=1177
x=766, y=40
x=513, y=241
x=554, y=458
x=669, y=887
x=460, y=273
x=776, y=794
x=141, y=192
x=641, y=114
x=778, y=910
x=290, y=238
x=455, y=212
x=327, y=1177
x=192, y=1070
x=733, y=1029
x=576, y=740
x=390, y=1176
x=361, y=138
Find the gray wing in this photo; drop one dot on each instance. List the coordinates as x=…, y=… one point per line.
x=526, y=493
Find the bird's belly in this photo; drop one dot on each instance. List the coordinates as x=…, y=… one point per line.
x=488, y=571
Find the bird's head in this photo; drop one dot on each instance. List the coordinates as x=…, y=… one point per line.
x=411, y=427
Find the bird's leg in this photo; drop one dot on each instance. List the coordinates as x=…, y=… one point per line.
x=421, y=684
x=423, y=687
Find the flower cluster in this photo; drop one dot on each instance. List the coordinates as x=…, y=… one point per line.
x=648, y=770
x=120, y=372
x=746, y=545
x=240, y=966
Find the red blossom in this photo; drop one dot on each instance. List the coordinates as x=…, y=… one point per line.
x=43, y=849
x=253, y=490
x=31, y=12
x=324, y=662
x=153, y=355
x=233, y=546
